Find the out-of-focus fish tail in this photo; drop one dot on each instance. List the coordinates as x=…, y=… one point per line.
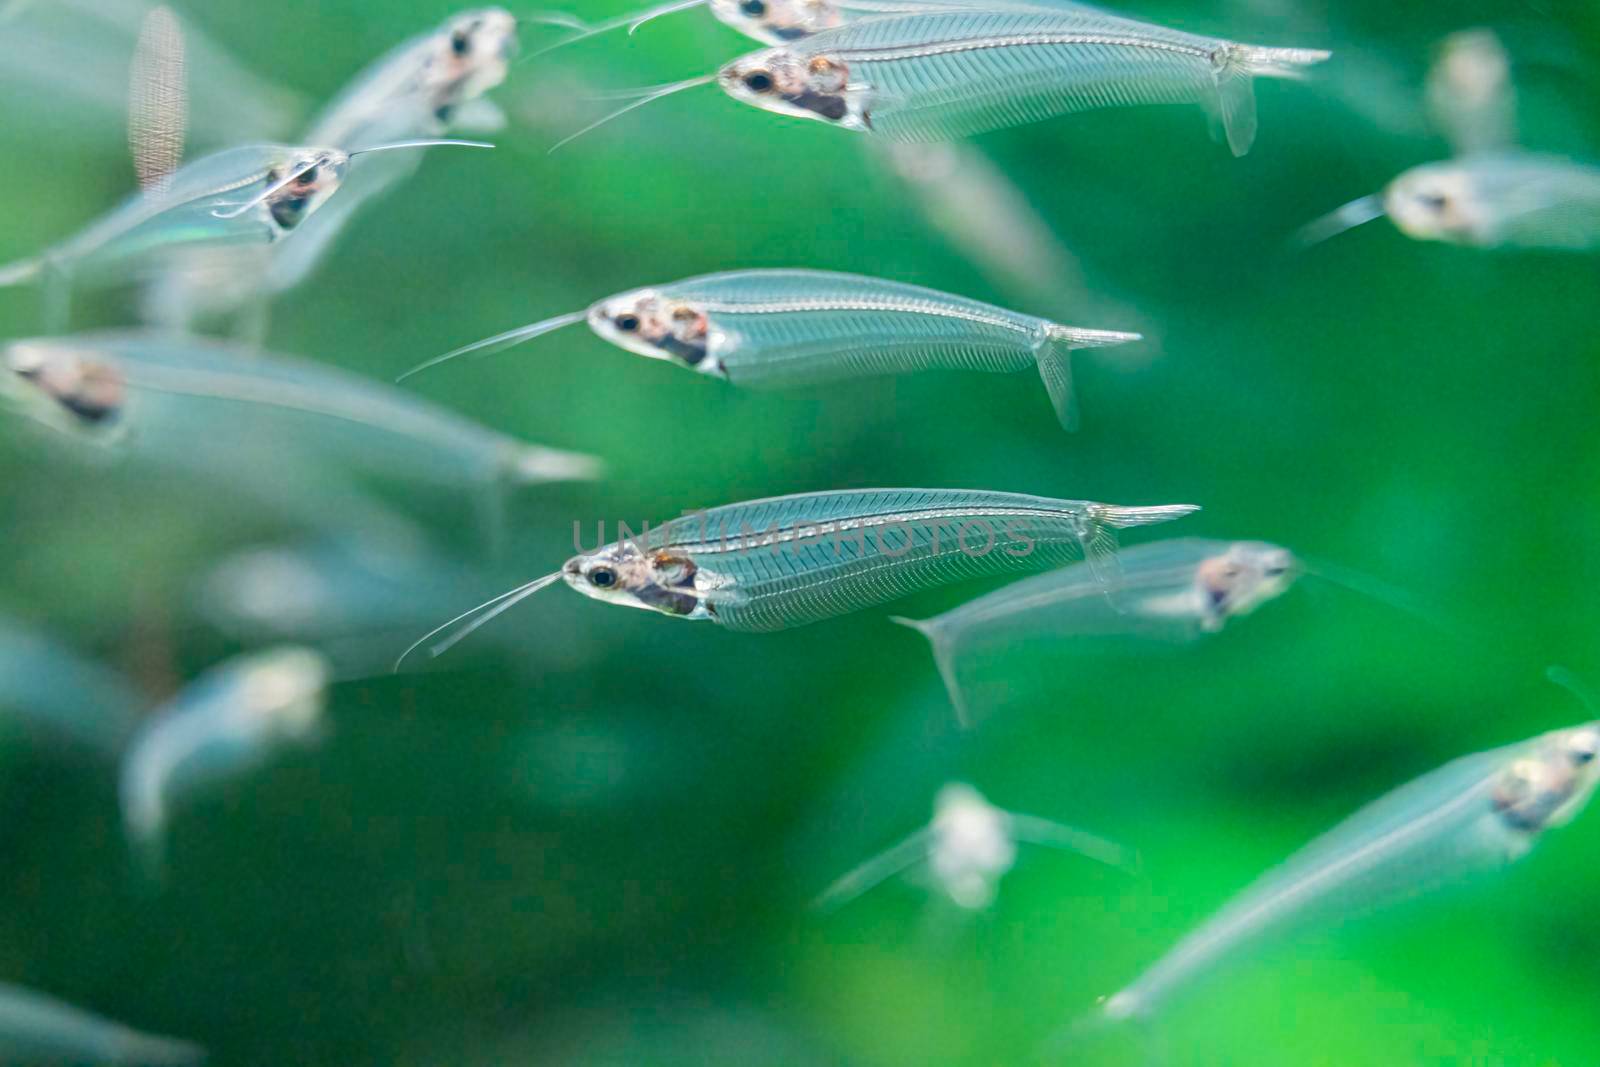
x=944, y=659
x=1233, y=105
x=21, y=273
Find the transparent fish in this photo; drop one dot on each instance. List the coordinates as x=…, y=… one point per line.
x=969, y=847
x=1509, y=200
x=218, y=728
x=37, y=1029
x=420, y=90
x=62, y=694
x=1175, y=590
x=942, y=75
x=157, y=392
x=787, y=561
x=777, y=328
x=1477, y=813
x=1471, y=98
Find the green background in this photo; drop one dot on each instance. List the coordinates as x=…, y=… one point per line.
x=590, y=840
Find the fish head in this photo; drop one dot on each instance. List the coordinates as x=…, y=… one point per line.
x=91, y=393
x=777, y=21
x=651, y=324
x=470, y=55
x=1242, y=578
x=302, y=183
x=637, y=577
x=972, y=846
x=1551, y=781
x=1436, y=202
x=285, y=689
x=805, y=84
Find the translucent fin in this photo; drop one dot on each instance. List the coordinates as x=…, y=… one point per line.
x=148, y=1050
x=158, y=103
x=1572, y=684
x=875, y=871
x=1235, y=106
x=533, y=464
x=499, y=342
x=1055, y=368
x=1036, y=831
x=944, y=659
x=1391, y=595
x=475, y=618
x=1122, y=518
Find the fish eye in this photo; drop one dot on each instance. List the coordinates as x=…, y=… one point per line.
x=754, y=8
x=627, y=323
x=460, y=43
x=309, y=175
x=758, y=81
x=602, y=577
x=1437, y=202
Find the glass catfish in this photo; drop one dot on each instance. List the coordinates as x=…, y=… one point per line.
x=420, y=90
x=1477, y=813
x=788, y=561
x=1174, y=590
x=946, y=74
x=969, y=847
x=36, y=1029
x=778, y=328
x=221, y=726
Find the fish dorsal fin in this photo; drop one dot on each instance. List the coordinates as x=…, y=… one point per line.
x=158, y=101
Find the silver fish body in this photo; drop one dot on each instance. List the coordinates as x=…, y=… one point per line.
x=184, y=392
x=945, y=74
x=1501, y=200
x=1477, y=813
x=1174, y=590
x=788, y=561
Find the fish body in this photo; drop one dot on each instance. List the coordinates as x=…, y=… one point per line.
x=239, y=197
x=183, y=392
x=969, y=847
x=1479, y=812
x=220, y=726
x=783, y=328
x=36, y=1029
x=1499, y=200
x=788, y=561
x=419, y=90
x=945, y=74
x=1173, y=590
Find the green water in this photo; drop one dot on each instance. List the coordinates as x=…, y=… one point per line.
x=593, y=843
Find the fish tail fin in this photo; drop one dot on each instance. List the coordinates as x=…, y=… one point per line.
x=1233, y=105
x=1054, y=356
x=944, y=659
x=20, y=273
x=1120, y=518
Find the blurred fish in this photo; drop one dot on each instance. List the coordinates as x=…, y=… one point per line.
x=1471, y=98
x=36, y=1029
x=420, y=90
x=240, y=197
x=787, y=561
x=51, y=688
x=221, y=726
x=187, y=393
x=1477, y=813
x=945, y=74
x=1173, y=590
x=969, y=847
x=66, y=65
x=1508, y=200
x=777, y=328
